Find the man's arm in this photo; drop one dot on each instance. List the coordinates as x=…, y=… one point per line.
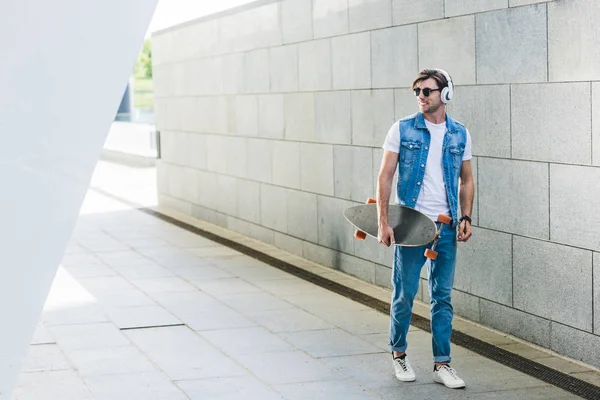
x=384, y=190
x=466, y=193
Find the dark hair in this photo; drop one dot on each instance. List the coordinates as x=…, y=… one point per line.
x=431, y=73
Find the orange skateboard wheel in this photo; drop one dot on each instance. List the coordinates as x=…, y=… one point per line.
x=431, y=254
x=360, y=235
x=444, y=219
x=371, y=200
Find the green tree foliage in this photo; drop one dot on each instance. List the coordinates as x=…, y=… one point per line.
x=143, y=67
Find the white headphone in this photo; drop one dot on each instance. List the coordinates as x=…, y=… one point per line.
x=448, y=91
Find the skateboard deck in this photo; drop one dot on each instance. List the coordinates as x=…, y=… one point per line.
x=411, y=227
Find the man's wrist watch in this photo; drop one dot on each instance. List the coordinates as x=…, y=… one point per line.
x=465, y=218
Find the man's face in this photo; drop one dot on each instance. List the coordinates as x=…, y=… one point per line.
x=429, y=104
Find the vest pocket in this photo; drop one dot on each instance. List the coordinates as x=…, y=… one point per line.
x=409, y=151
x=457, y=154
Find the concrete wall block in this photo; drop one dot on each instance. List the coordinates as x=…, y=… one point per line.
x=208, y=31
x=369, y=14
x=566, y=61
x=245, y=115
x=538, y=128
x=170, y=147
x=234, y=78
x=330, y=18
x=213, y=76
x=596, y=300
x=513, y=196
x=257, y=71
x=353, y=172
x=248, y=201
x=518, y=3
x=271, y=122
x=207, y=194
x=334, y=231
x=351, y=61
x=208, y=215
x=316, y=168
x=314, y=60
x=197, y=151
x=383, y=276
x=512, y=45
x=485, y=258
x=175, y=204
x=176, y=182
x=216, y=148
x=514, y=322
x=160, y=74
x=333, y=117
x=357, y=267
x=162, y=50
x=542, y=270
x=227, y=33
x=405, y=104
x=165, y=110
x=372, y=116
x=299, y=111
x=258, y=27
x=260, y=233
x=286, y=164
x=466, y=305
x=227, y=195
x=319, y=254
x=576, y=344
x=284, y=68
x=296, y=17
x=182, y=80
x=489, y=126
x=184, y=187
x=302, y=215
x=273, y=207
x=463, y=7
x=222, y=108
x=237, y=156
x=237, y=225
x=206, y=114
x=195, y=118
x=449, y=44
x=409, y=11
x=574, y=201
x=596, y=123
x=260, y=160
x=394, y=56
x=287, y=243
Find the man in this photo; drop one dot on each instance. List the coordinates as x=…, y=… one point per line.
x=431, y=151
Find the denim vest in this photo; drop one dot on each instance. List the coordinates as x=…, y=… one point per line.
x=414, y=148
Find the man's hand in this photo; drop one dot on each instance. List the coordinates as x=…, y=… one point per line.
x=464, y=231
x=385, y=235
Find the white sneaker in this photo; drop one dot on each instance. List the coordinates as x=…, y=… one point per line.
x=448, y=376
x=404, y=371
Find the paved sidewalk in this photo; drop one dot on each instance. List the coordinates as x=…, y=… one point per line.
x=141, y=309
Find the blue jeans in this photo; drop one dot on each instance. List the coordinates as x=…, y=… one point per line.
x=406, y=272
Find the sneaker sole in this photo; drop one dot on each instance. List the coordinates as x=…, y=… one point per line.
x=406, y=379
x=457, y=386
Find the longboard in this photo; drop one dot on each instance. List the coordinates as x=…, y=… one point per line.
x=411, y=228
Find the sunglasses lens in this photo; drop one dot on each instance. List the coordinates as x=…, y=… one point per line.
x=426, y=92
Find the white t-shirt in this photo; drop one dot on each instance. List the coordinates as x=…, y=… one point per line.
x=432, y=199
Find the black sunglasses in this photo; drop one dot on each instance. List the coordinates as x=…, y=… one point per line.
x=426, y=91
